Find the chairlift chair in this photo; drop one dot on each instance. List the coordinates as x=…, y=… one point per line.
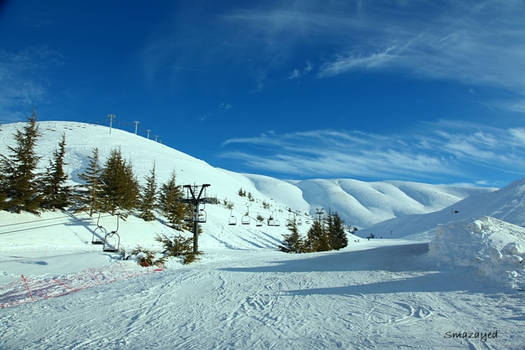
x=112, y=240
x=95, y=239
x=232, y=220
x=202, y=216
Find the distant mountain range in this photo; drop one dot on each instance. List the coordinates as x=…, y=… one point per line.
x=507, y=204
x=361, y=204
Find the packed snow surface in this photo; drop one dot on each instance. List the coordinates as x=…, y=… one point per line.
x=377, y=294
x=243, y=293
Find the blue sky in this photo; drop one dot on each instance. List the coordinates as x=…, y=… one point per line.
x=372, y=90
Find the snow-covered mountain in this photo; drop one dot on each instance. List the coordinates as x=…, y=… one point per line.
x=58, y=290
x=359, y=203
x=506, y=204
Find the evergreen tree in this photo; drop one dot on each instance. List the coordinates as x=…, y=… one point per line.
x=292, y=242
x=169, y=201
x=338, y=237
x=147, y=201
x=118, y=184
x=21, y=183
x=317, y=238
x=90, y=191
x=3, y=188
x=56, y=194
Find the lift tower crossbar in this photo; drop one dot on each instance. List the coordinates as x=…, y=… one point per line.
x=196, y=195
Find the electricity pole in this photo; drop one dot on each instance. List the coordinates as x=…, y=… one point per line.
x=195, y=195
x=148, y=131
x=136, y=126
x=156, y=138
x=111, y=117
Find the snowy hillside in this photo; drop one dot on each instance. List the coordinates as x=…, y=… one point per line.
x=60, y=291
x=359, y=203
x=506, y=204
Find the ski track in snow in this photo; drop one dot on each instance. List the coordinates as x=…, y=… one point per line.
x=273, y=301
x=243, y=294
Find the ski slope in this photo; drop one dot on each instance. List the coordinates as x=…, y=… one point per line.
x=381, y=295
x=243, y=293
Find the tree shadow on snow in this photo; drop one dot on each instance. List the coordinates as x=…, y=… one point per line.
x=434, y=281
x=410, y=258
x=392, y=258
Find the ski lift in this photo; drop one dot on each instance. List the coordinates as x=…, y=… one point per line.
x=101, y=232
x=245, y=220
x=232, y=220
x=299, y=222
x=201, y=216
x=276, y=223
x=271, y=221
x=112, y=240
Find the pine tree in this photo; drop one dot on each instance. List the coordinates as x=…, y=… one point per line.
x=317, y=238
x=56, y=194
x=3, y=189
x=292, y=242
x=148, y=197
x=338, y=237
x=118, y=184
x=169, y=201
x=21, y=183
x=90, y=191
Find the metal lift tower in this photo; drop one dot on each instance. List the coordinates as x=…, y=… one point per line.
x=195, y=195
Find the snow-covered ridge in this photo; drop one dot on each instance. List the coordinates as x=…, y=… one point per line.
x=506, y=204
x=359, y=203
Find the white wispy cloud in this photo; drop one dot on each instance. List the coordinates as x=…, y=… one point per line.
x=344, y=64
x=481, y=42
x=440, y=150
x=21, y=87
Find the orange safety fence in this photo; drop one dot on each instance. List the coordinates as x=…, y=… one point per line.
x=27, y=290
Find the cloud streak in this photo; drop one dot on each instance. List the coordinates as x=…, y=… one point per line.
x=441, y=150
x=473, y=42
x=21, y=88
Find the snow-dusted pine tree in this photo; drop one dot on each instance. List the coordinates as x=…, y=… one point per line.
x=56, y=194
x=338, y=237
x=89, y=193
x=169, y=201
x=118, y=183
x=21, y=182
x=148, y=197
x=317, y=238
x=292, y=242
